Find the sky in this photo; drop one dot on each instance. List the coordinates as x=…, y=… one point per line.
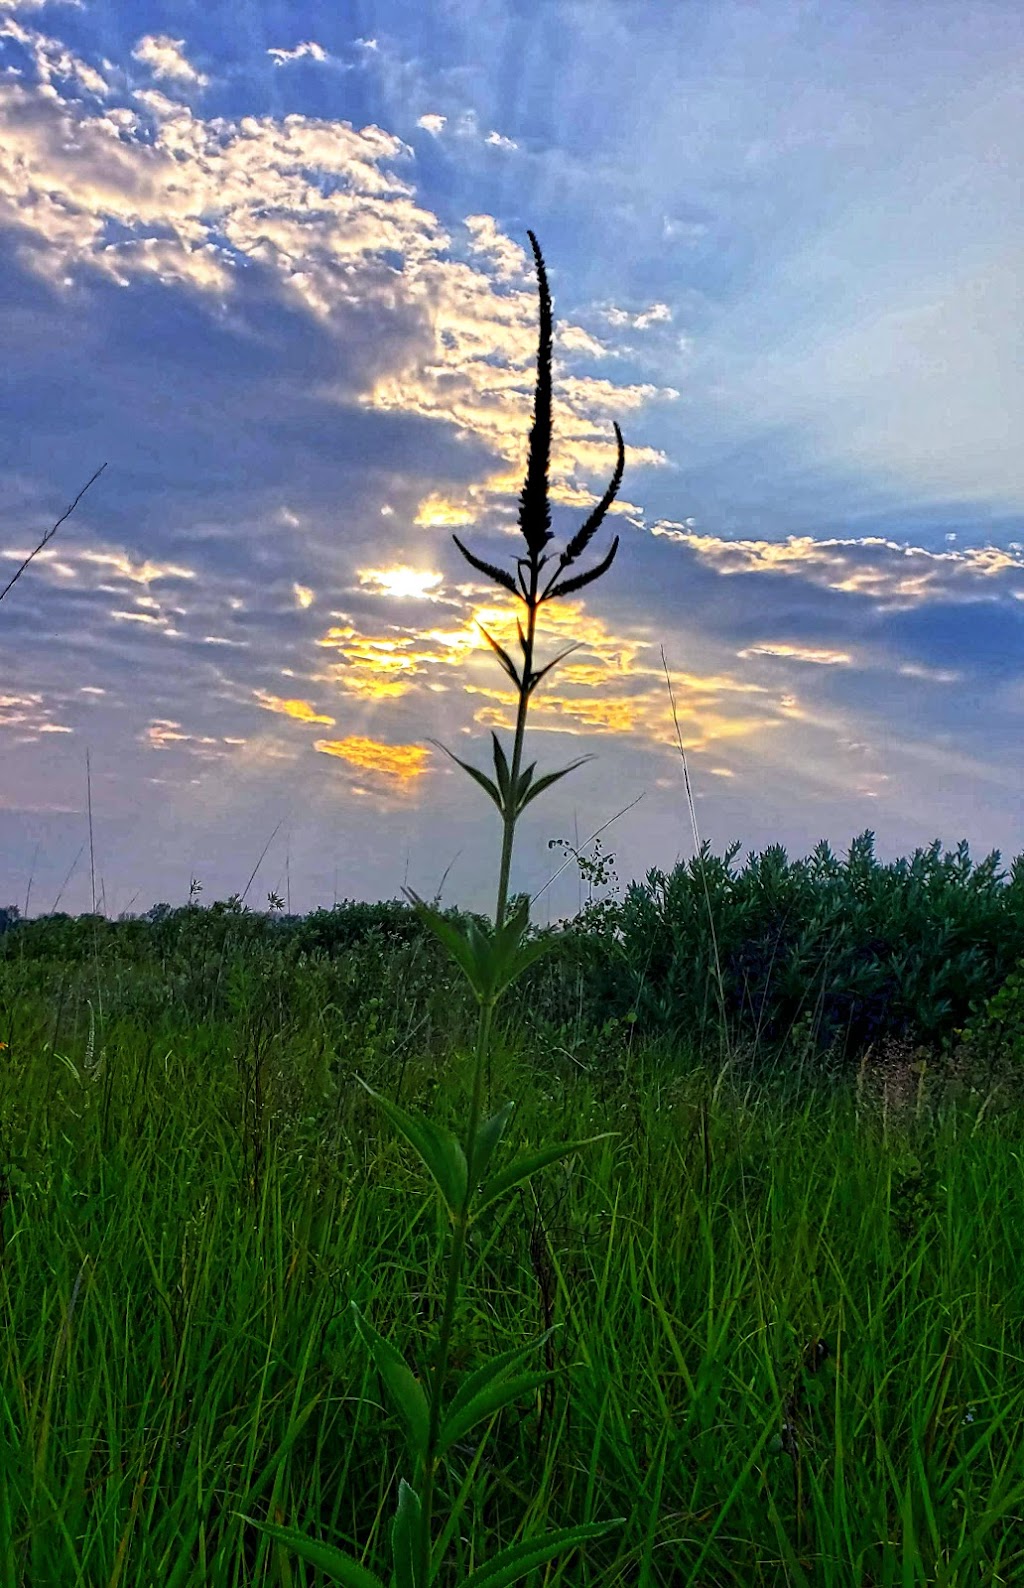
x=269, y=263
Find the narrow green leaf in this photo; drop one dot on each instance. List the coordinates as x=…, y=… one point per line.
x=501, y=769
x=483, y=1391
x=499, y=957
x=487, y=1138
x=404, y=1536
x=453, y=939
x=507, y=935
x=525, y=956
x=498, y=1367
x=483, y=950
x=339, y=1567
x=406, y=1390
x=522, y=637
x=550, y=777
x=525, y=779
x=522, y=1168
x=488, y=1402
x=513, y=1564
x=497, y=574
x=439, y=1150
x=480, y=777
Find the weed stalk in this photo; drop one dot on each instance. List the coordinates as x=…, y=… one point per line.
x=491, y=961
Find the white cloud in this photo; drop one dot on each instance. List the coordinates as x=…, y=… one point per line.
x=315, y=52
x=432, y=123
x=52, y=60
x=165, y=58
x=196, y=194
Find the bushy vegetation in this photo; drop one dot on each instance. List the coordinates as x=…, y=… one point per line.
x=193, y=1194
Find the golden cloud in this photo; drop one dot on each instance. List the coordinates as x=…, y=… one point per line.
x=298, y=710
x=402, y=762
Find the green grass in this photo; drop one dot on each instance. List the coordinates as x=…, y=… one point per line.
x=780, y=1328
x=177, y=1345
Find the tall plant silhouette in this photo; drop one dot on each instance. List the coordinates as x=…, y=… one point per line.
x=491, y=961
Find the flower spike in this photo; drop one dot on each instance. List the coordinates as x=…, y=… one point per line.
x=534, y=513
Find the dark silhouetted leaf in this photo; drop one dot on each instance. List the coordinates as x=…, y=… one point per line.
x=503, y=657
x=480, y=777
x=497, y=574
x=582, y=579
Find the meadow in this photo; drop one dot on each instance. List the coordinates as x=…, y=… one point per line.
x=720, y=1284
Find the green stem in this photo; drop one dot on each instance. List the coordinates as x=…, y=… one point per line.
x=451, y=1294
x=483, y=1042
x=517, y=753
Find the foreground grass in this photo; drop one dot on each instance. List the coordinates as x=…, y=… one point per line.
x=788, y=1346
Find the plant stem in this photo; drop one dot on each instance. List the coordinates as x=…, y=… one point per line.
x=451, y=1294
x=483, y=1042
x=517, y=753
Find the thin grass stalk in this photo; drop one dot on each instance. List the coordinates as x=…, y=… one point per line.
x=724, y=1032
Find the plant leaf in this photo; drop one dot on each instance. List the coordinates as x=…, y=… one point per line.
x=525, y=779
x=497, y=574
x=525, y=955
x=439, y=1150
x=453, y=939
x=513, y=1564
x=406, y=1390
x=522, y=1168
x=480, y=777
x=339, y=1567
x=404, y=1535
x=501, y=768
x=487, y=1138
x=578, y=545
x=484, y=1383
x=510, y=956
x=506, y=661
x=535, y=678
x=569, y=585
x=522, y=636
x=489, y=1401
x=507, y=935
x=497, y=1367
x=546, y=781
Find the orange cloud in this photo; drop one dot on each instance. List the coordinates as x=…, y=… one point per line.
x=300, y=710
x=405, y=762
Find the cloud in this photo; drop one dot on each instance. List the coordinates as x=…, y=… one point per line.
x=310, y=377
x=52, y=61
x=309, y=50
x=165, y=58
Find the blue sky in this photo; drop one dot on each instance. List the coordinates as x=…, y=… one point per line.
x=270, y=263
